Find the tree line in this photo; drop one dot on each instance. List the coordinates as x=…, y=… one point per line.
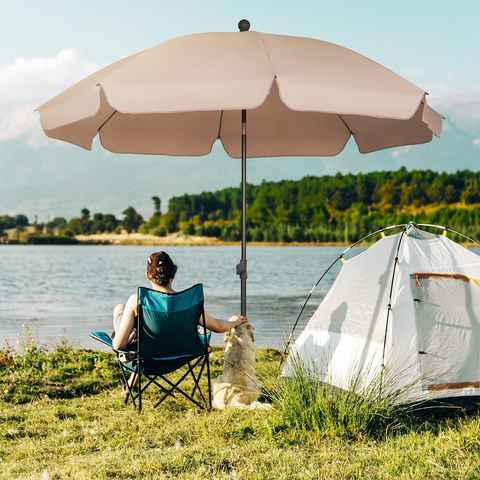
x=333, y=208
x=85, y=224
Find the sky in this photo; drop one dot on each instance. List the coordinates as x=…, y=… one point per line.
x=47, y=46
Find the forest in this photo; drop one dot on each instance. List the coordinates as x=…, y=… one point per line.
x=338, y=208
x=335, y=208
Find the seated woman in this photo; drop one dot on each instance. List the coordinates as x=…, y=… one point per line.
x=160, y=272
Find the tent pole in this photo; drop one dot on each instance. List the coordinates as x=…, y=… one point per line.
x=389, y=306
x=242, y=266
x=322, y=276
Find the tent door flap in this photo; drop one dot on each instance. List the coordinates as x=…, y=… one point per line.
x=447, y=320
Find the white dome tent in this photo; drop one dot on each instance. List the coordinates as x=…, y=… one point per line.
x=410, y=303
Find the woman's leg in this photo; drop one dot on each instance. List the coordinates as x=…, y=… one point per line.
x=117, y=320
x=117, y=316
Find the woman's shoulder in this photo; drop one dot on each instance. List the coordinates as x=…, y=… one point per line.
x=132, y=300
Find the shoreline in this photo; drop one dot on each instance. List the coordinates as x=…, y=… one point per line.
x=181, y=240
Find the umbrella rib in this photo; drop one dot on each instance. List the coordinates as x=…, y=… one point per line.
x=106, y=120
x=220, y=124
x=346, y=125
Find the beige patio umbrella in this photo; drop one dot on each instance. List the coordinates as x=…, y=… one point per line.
x=303, y=97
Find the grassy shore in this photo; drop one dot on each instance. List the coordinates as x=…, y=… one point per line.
x=174, y=239
x=62, y=417
x=180, y=240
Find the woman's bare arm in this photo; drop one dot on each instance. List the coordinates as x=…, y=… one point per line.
x=221, y=326
x=127, y=324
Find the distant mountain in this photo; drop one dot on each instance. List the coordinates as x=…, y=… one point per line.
x=59, y=179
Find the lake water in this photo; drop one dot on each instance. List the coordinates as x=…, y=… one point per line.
x=64, y=292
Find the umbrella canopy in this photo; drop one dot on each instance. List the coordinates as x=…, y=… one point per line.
x=304, y=97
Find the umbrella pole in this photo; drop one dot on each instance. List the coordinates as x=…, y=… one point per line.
x=242, y=266
x=243, y=26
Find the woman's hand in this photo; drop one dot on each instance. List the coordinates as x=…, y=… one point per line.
x=237, y=320
x=223, y=326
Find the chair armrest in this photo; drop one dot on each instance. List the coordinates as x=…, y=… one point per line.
x=105, y=338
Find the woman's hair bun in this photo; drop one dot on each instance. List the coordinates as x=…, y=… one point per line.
x=160, y=268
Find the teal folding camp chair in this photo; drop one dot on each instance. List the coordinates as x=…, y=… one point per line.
x=167, y=338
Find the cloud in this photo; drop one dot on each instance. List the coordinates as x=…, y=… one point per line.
x=455, y=97
x=28, y=82
x=462, y=107
x=476, y=142
x=401, y=151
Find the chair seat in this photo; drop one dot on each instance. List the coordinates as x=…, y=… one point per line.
x=152, y=366
x=105, y=338
x=159, y=366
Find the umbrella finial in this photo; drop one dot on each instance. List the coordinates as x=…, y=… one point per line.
x=244, y=25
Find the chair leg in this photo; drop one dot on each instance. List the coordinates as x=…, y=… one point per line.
x=196, y=379
x=161, y=388
x=175, y=386
x=139, y=387
x=209, y=382
x=126, y=385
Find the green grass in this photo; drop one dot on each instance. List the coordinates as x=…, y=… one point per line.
x=62, y=416
x=303, y=403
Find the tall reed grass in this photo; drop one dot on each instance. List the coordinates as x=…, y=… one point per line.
x=376, y=409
